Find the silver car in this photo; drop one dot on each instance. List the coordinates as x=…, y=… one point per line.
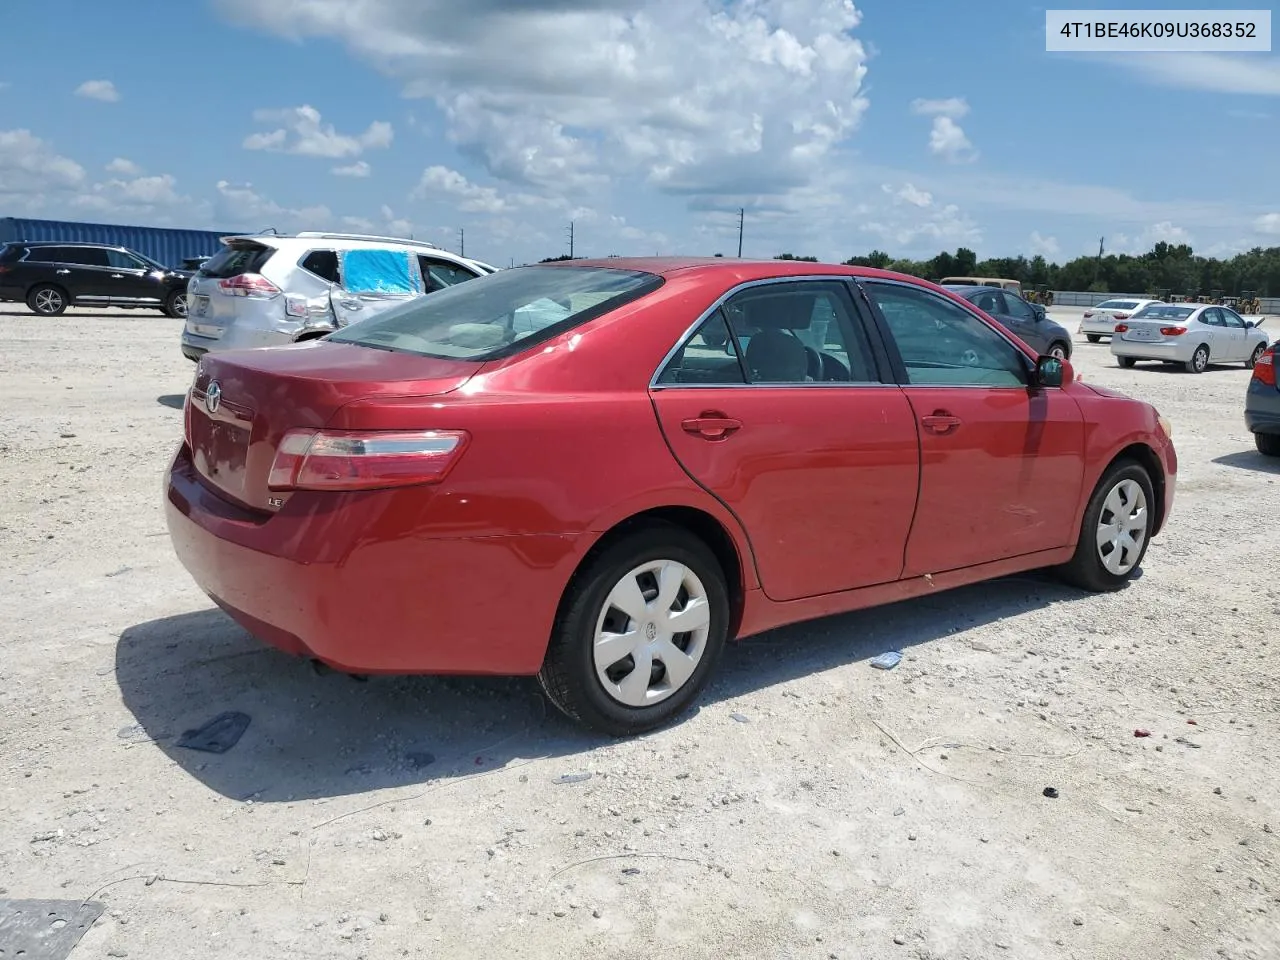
x=268, y=289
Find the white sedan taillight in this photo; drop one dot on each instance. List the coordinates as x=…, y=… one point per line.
x=363, y=459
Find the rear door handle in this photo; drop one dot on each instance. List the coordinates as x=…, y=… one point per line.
x=711, y=426
x=117, y=276
x=351, y=304
x=940, y=422
x=64, y=271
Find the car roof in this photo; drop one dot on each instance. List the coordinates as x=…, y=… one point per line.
x=740, y=270
x=66, y=243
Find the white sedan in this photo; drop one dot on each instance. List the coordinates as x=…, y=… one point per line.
x=1100, y=321
x=1191, y=334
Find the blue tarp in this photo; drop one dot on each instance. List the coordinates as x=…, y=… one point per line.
x=379, y=271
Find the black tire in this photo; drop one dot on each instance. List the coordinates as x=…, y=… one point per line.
x=175, y=305
x=1093, y=337
x=1268, y=444
x=1086, y=570
x=1258, y=351
x=568, y=674
x=1199, y=361
x=1127, y=362
x=1065, y=349
x=47, y=300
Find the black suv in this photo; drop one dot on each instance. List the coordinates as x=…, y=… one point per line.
x=50, y=276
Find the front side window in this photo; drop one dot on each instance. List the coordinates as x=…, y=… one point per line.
x=501, y=313
x=1231, y=318
x=440, y=273
x=943, y=344
x=1019, y=308
x=123, y=261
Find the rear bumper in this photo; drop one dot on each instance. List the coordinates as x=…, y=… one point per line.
x=319, y=580
x=1103, y=328
x=1180, y=352
x=1262, y=408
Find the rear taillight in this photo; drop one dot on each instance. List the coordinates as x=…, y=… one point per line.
x=5, y=268
x=249, y=285
x=1264, y=371
x=1120, y=316
x=186, y=420
x=1172, y=331
x=364, y=459
x=1122, y=328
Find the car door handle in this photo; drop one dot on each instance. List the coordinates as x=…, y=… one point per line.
x=711, y=426
x=940, y=422
x=117, y=276
x=351, y=304
x=64, y=271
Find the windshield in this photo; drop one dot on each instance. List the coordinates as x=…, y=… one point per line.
x=500, y=313
x=1164, y=311
x=1117, y=305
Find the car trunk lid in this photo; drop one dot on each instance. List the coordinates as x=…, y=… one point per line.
x=243, y=401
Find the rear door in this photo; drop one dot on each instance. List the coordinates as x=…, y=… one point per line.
x=798, y=434
x=373, y=281
x=1002, y=462
x=78, y=270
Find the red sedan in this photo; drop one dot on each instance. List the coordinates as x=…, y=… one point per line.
x=600, y=471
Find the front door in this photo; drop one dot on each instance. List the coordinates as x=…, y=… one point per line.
x=133, y=282
x=777, y=407
x=1002, y=462
x=1237, y=338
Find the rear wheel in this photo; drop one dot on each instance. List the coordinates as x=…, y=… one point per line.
x=1199, y=361
x=1059, y=349
x=1258, y=351
x=639, y=631
x=1093, y=337
x=1268, y=444
x=175, y=305
x=1115, y=530
x=47, y=300
x=1126, y=362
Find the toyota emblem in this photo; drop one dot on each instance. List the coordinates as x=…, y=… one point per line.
x=213, y=397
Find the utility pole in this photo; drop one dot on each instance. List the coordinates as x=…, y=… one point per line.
x=742, y=213
x=462, y=242
x=570, y=239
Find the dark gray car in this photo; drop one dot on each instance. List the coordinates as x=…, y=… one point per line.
x=1027, y=321
x=1262, y=404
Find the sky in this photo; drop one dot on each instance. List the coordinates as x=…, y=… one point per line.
x=839, y=127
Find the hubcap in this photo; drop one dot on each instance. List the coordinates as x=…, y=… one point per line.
x=1122, y=527
x=652, y=633
x=1058, y=352
x=48, y=301
x=180, y=305
x=1201, y=359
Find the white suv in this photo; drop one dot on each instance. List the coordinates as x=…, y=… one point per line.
x=267, y=289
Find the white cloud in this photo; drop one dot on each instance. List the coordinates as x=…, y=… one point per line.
x=103, y=90
x=948, y=140
x=438, y=182
x=1045, y=246
x=722, y=97
x=1216, y=72
x=911, y=194
x=953, y=107
x=1268, y=223
x=358, y=169
x=303, y=132
x=123, y=167
x=240, y=203
x=31, y=168
x=1163, y=232
x=914, y=217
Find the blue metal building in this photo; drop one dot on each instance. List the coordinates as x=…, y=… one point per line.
x=164, y=245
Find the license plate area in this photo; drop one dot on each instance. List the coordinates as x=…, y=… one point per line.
x=220, y=443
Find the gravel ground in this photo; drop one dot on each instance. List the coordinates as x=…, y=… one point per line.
x=812, y=807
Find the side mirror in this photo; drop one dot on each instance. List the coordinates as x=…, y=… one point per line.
x=1039, y=311
x=1050, y=372
x=1251, y=324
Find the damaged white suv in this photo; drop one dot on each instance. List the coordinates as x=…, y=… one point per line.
x=267, y=289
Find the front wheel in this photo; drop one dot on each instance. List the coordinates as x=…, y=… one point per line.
x=1268, y=444
x=1059, y=350
x=1115, y=530
x=1258, y=351
x=639, y=631
x=175, y=305
x=1199, y=361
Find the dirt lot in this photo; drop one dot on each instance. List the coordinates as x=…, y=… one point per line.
x=813, y=806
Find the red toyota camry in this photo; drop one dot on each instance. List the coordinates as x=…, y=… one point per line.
x=600, y=471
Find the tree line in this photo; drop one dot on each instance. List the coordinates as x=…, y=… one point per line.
x=1166, y=269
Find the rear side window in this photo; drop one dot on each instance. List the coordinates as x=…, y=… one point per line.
x=51, y=255
x=86, y=256
x=500, y=314
x=236, y=259
x=10, y=251
x=323, y=263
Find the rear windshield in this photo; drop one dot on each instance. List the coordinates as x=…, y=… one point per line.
x=501, y=313
x=1164, y=311
x=236, y=259
x=1117, y=305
